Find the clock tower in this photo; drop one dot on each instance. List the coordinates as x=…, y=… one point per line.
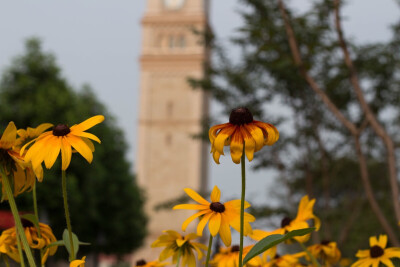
x=169, y=158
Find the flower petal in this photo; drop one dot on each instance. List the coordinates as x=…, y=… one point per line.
x=53, y=147
x=215, y=194
x=225, y=231
x=66, y=153
x=249, y=143
x=196, y=197
x=224, y=134
x=191, y=218
x=214, y=223
x=202, y=223
x=236, y=146
x=9, y=136
x=89, y=123
x=81, y=147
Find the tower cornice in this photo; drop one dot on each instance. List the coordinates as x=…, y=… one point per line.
x=174, y=19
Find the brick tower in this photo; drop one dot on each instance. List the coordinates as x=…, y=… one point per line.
x=169, y=158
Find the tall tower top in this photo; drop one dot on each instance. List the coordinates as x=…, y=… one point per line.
x=172, y=7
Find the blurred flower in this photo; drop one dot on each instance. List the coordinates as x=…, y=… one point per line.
x=378, y=253
x=228, y=256
x=262, y=260
x=326, y=251
x=78, y=263
x=143, y=263
x=219, y=216
x=182, y=246
x=26, y=136
x=8, y=240
x=240, y=129
x=304, y=213
x=14, y=165
x=63, y=138
x=288, y=260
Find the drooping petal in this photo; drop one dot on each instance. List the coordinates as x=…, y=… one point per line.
x=191, y=218
x=225, y=231
x=272, y=134
x=257, y=135
x=202, y=223
x=53, y=147
x=214, y=223
x=215, y=194
x=236, y=146
x=224, y=134
x=81, y=147
x=66, y=153
x=212, y=133
x=249, y=143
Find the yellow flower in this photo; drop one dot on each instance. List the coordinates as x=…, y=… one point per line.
x=63, y=138
x=143, y=263
x=326, y=251
x=175, y=245
x=263, y=259
x=304, y=213
x=78, y=263
x=228, y=256
x=8, y=240
x=286, y=260
x=378, y=253
x=240, y=129
x=25, y=136
x=220, y=216
x=15, y=165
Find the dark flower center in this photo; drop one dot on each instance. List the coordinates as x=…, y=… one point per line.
x=141, y=263
x=235, y=248
x=285, y=221
x=325, y=242
x=277, y=256
x=26, y=223
x=376, y=251
x=61, y=130
x=217, y=207
x=240, y=116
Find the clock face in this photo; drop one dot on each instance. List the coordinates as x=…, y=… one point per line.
x=173, y=4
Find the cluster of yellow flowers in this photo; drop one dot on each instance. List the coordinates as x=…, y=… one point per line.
x=246, y=136
x=22, y=153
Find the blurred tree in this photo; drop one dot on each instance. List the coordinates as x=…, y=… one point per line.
x=105, y=202
x=294, y=72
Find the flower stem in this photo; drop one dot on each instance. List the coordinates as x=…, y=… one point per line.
x=313, y=259
x=5, y=259
x=21, y=255
x=35, y=209
x=242, y=208
x=179, y=257
x=17, y=219
x=209, y=250
x=67, y=218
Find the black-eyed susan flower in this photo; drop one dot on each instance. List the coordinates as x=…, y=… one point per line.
x=78, y=263
x=220, y=217
x=180, y=246
x=304, y=214
x=143, y=263
x=14, y=165
x=8, y=240
x=327, y=251
x=62, y=139
x=228, y=256
x=378, y=253
x=288, y=260
x=241, y=129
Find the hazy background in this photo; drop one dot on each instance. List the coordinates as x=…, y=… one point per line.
x=98, y=42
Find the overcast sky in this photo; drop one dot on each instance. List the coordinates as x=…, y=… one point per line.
x=98, y=42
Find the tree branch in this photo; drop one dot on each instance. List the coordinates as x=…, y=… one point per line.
x=376, y=126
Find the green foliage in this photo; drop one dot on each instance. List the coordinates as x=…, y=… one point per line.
x=273, y=240
x=105, y=202
x=315, y=154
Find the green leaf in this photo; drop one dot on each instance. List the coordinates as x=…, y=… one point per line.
x=57, y=243
x=67, y=243
x=32, y=218
x=272, y=240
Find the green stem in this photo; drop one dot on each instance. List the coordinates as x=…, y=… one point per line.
x=5, y=259
x=35, y=209
x=179, y=257
x=242, y=208
x=209, y=250
x=67, y=218
x=313, y=259
x=17, y=219
x=21, y=255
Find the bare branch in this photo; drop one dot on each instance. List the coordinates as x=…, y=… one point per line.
x=376, y=126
